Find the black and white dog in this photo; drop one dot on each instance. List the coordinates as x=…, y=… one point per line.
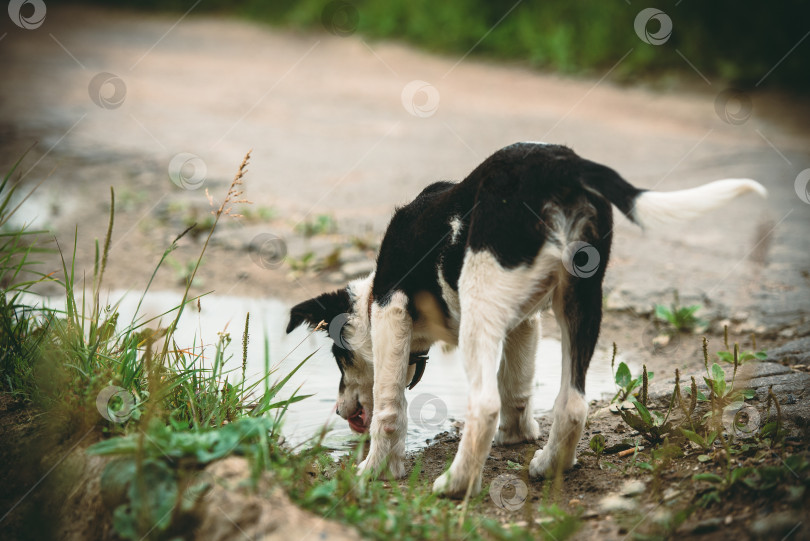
x=472, y=264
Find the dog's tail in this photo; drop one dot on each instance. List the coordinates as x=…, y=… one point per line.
x=650, y=208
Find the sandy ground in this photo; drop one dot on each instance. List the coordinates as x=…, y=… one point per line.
x=335, y=130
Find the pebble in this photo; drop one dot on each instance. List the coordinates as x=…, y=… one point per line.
x=776, y=526
x=633, y=487
x=707, y=525
x=671, y=493
x=613, y=503
x=787, y=333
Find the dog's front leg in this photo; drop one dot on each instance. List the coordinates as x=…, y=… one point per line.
x=391, y=330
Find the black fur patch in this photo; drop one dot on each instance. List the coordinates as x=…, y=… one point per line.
x=321, y=308
x=507, y=206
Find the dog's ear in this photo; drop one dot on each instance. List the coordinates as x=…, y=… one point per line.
x=321, y=308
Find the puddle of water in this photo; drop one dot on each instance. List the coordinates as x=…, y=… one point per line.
x=434, y=404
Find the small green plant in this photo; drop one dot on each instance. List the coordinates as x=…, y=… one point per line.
x=624, y=380
x=679, y=318
x=791, y=476
x=258, y=214
x=301, y=264
x=183, y=272
x=652, y=425
x=721, y=392
x=322, y=224
x=743, y=356
x=365, y=243
x=597, y=445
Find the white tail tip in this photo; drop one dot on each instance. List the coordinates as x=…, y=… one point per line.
x=684, y=205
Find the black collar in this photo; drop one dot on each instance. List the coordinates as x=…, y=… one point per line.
x=418, y=358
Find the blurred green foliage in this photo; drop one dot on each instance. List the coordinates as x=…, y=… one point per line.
x=738, y=42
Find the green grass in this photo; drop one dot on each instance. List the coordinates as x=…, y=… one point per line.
x=163, y=412
x=738, y=42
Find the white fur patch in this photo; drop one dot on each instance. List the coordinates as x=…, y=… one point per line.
x=653, y=208
x=455, y=228
x=391, y=332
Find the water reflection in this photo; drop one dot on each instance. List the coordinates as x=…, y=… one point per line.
x=434, y=404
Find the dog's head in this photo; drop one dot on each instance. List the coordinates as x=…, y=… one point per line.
x=345, y=317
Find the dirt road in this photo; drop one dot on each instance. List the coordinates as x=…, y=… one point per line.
x=338, y=127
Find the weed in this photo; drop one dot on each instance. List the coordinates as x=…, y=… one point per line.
x=625, y=382
x=365, y=243
x=322, y=224
x=597, y=445
x=744, y=356
x=790, y=477
x=652, y=425
x=301, y=264
x=183, y=271
x=679, y=318
x=259, y=214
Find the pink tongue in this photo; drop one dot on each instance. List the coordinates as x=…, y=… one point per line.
x=357, y=422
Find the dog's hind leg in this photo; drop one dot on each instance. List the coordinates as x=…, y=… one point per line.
x=577, y=306
x=515, y=381
x=489, y=295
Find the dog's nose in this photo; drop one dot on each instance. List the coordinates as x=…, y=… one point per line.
x=337, y=408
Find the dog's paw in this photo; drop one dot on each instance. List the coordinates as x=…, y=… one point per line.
x=527, y=431
x=541, y=464
x=376, y=467
x=396, y=467
x=455, y=486
x=545, y=463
